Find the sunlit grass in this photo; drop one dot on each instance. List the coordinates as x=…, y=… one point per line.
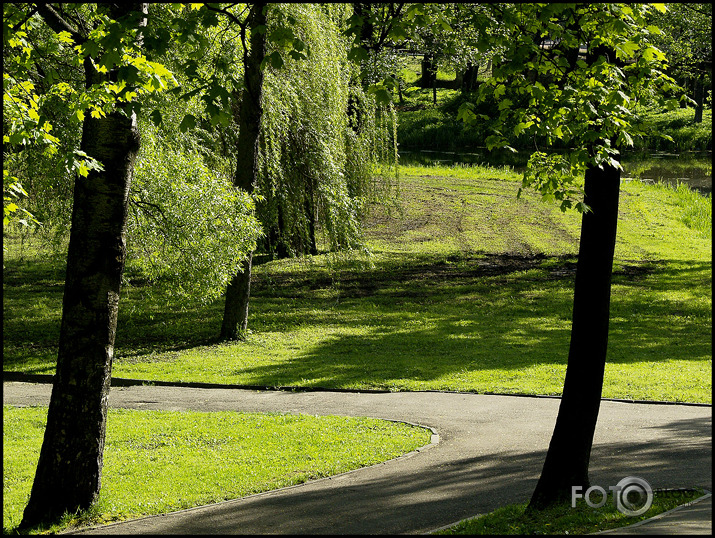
x=161, y=461
x=467, y=288
x=581, y=519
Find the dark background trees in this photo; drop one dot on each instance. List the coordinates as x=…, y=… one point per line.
x=685, y=36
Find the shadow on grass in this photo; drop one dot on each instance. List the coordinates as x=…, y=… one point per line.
x=416, y=318
x=402, y=498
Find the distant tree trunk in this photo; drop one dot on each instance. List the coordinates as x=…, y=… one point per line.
x=569, y=452
x=69, y=469
x=428, y=72
x=367, y=30
x=469, y=78
x=699, y=97
x=235, y=316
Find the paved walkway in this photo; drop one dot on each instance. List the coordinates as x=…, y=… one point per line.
x=489, y=452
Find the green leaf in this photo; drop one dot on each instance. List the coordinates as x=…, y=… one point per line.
x=625, y=139
x=495, y=141
x=626, y=50
x=505, y=103
x=466, y=113
x=65, y=37
x=155, y=117
x=275, y=59
x=297, y=55
x=357, y=54
x=189, y=122
x=382, y=96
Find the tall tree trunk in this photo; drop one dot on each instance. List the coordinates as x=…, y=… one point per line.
x=69, y=470
x=569, y=452
x=68, y=475
x=699, y=97
x=469, y=78
x=235, y=316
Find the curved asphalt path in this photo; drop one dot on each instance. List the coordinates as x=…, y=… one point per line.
x=489, y=452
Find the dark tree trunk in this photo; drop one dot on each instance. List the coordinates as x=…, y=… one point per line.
x=367, y=30
x=235, y=316
x=699, y=97
x=428, y=72
x=69, y=470
x=469, y=78
x=569, y=452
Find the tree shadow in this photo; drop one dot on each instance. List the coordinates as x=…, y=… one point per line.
x=432, y=322
x=405, y=497
x=412, y=317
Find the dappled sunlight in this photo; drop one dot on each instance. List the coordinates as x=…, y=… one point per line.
x=482, y=303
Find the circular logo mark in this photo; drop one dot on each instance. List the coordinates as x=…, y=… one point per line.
x=633, y=496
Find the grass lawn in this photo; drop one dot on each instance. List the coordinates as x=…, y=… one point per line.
x=581, y=519
x=467, y=289
x=161, y=461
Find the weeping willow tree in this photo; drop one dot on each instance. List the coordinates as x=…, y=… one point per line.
x=326, y=149
x=190, y=229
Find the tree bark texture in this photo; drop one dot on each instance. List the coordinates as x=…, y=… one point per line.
x=429, y=72
x=569, y=452
x=235, y=316
x=68, y=475
x=69, y=469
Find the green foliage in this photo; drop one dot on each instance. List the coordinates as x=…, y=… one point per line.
x=317, y=164
x=674, y=130
x=546, y=87
x=554, y=177
x=683, y=32
x=188, y=227
x=46, y=97
x=696, y=210
x=111, y=45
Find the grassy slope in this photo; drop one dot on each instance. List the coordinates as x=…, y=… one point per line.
x=468, y=289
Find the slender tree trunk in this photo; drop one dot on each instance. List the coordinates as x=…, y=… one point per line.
x=68, y=475
x=699, y=97
x=469, y=78
x=428, y=72
x=569, y=453
x=235, y=316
